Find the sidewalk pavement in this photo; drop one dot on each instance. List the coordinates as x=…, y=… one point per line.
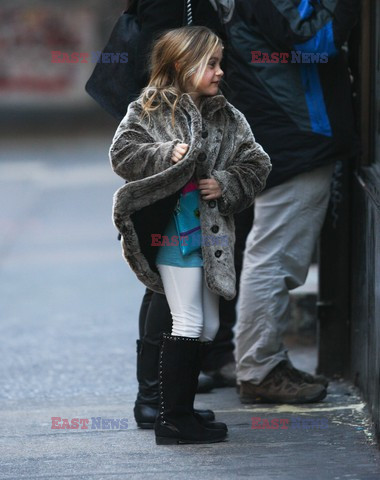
x=68, y=311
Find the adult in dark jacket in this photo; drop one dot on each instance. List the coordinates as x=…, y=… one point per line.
x=301, y=113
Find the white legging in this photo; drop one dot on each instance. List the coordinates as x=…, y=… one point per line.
x=194, y=308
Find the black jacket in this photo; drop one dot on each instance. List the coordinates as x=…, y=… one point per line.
x=301, y=113
x=115, y=85
x=156, y=16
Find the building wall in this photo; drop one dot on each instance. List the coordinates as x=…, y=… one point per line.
x=365, y=268
x=365, y=292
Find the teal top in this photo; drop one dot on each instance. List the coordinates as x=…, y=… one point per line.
x=171, y=254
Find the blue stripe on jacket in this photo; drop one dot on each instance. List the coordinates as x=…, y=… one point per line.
x=319, y=119
x=321, y=42
x=305, y=9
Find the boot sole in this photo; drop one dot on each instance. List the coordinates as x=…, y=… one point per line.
x=179, y=441
x=262, y=399
x=146, y=426
x=150, y=425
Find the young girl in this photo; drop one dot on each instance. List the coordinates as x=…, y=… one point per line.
x=181, y=136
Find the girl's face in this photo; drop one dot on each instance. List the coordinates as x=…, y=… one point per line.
x=209, y=83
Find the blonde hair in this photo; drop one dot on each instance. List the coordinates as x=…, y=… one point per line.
x=191, y=49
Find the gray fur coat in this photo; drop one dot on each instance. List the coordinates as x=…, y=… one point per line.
x=221, y=146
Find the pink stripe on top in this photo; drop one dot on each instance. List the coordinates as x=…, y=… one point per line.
x=190, y=186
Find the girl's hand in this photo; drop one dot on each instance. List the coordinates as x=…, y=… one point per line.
x=179, y=151
x=209, y=188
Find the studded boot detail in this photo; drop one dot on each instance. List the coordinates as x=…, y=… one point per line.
x=176, y=422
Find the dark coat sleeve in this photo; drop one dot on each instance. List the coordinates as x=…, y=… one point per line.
x=309, y=27
x=246, y=174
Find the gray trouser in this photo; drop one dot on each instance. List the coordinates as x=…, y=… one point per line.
x=279, y=248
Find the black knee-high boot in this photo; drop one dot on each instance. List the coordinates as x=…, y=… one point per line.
x=176, y=422
x=203, y=346
x=146, y=405
x=154, y=319
x=147, y=401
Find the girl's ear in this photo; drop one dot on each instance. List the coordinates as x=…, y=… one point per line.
x=176, y=65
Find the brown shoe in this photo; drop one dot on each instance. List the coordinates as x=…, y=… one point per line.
x=282, y=385
x=308, y=378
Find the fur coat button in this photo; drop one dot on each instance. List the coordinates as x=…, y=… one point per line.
x=212, y=203
x=215, y=229
x=204, y=134
x=218, y=253
x=202, y=157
